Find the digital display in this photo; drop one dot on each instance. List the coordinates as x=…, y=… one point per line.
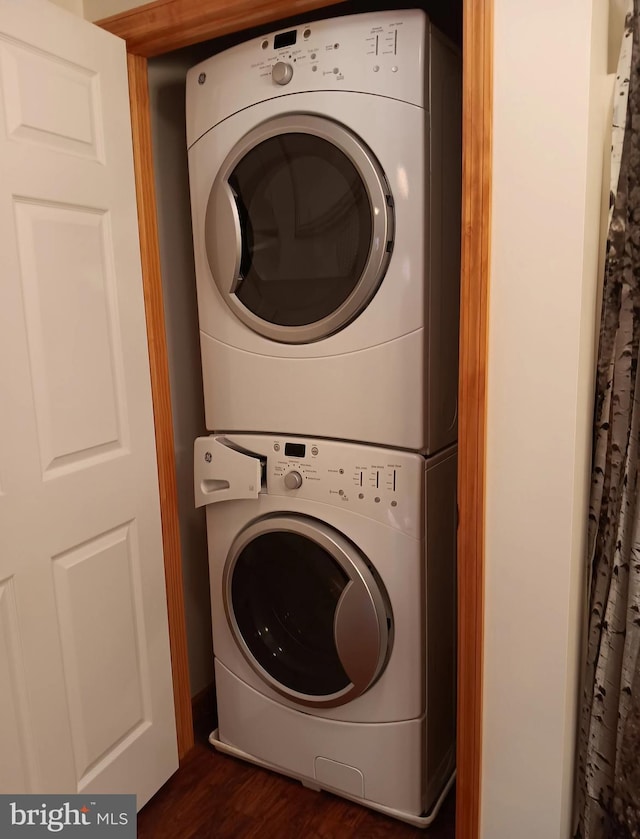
x=285, y=39
x=295, y=449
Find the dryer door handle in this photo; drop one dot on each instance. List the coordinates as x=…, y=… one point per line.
x=358, y=635
x=223, y=473
x=223, y=236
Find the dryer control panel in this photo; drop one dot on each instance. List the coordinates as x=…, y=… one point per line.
x=383, y=484
x=334, y=53
x=383, y=53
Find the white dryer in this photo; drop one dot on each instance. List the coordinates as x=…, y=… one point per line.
x=333, y=594
x=324, y=164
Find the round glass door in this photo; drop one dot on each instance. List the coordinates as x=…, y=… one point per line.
x=294, y=592
x=299, y=228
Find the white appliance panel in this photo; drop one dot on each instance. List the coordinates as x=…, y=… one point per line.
x=294, y=742
x=364, y=397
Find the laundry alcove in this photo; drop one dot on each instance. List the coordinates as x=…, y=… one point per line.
x=163, y=40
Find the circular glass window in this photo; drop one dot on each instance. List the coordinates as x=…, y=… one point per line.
x=307, y=226
x=284, y=592
x=299, y=228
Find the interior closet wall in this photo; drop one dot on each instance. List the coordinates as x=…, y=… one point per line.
x=167, y=96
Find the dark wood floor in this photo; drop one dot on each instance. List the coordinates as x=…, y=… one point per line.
x=213, y=796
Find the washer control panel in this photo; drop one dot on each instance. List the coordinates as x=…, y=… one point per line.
x=384, y=484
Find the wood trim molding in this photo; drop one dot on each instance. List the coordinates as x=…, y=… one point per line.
x=169, y=24
x=476, y=232
x=154, y=308
x=157, y=28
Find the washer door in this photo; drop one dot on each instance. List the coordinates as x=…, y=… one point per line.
x=299, y=228
x=306, y=610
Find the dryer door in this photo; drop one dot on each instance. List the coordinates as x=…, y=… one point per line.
x=299, y=228
x=306, y=610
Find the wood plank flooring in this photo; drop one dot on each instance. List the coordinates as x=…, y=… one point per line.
x=213, y=796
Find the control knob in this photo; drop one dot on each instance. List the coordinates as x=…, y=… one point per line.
x=282, y=72
x=293, y=480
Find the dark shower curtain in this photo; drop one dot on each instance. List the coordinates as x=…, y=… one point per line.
x=607, y=801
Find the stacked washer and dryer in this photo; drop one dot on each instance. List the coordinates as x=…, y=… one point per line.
x=324, y=163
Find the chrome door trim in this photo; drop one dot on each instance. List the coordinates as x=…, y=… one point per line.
x=363, y=654
x=223, y=207
x=223, y=234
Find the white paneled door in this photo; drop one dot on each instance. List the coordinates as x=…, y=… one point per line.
x=86, y=699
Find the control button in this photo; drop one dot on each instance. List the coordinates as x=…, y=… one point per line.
x=336, y=70
x=293, y=480
x=375, y=68
x=341, y=471
x=340, y=492
x=377, y=499
x=314, y=67
x=276, y=447
x=335, y=46
x=361, y=495
x=394, y=503
x=306, y=33
x=265, y=44
x=394, y=69
x=314, y=450
x=282, y=73
x=313, y=56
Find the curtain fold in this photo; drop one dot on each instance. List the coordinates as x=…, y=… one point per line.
x=607, y=801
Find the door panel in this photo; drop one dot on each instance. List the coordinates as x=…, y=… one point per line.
x=76, y=365
x=105, y=662
x=83, y=623
x=33, y=82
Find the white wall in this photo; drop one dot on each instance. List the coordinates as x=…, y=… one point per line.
x=551, y=104
x=99, y=9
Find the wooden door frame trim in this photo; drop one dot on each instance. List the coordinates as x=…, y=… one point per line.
x=477, y=111
x=161, y=395
x=165, y=25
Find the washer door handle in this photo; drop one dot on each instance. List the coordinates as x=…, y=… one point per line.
x=223, y=237
x=357, y=634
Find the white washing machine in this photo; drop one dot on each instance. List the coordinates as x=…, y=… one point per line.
x=333, y=597
x=324, y=163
